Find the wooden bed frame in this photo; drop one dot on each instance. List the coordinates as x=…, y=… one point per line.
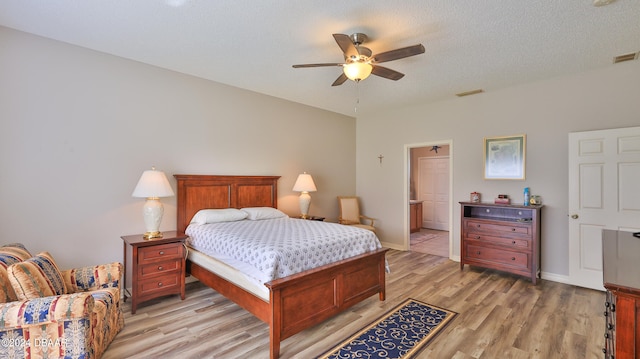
x=299, y=301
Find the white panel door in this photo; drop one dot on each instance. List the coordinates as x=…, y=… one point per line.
x=604, y=193
x=433, y=190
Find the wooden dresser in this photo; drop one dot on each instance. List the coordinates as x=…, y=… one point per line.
x=501, y=236
x=621, y=272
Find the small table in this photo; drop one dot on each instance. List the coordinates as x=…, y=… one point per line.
x=156, y=267
x=312, y=218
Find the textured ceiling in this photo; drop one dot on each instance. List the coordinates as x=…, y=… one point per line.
x=250, y=44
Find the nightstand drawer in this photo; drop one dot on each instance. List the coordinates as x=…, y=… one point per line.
x=152, y=269
x=160, y=252
x=167, y=283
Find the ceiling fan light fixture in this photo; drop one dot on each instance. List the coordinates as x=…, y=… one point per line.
x=357, y=70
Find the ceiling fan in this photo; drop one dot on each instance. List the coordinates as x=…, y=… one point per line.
x=358, y=60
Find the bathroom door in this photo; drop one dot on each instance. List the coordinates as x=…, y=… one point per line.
x=433, y=190
x=604, y=193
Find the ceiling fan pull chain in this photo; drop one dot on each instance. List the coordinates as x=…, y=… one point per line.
x=357, y=96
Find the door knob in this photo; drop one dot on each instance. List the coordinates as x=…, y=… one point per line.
x=574, y=216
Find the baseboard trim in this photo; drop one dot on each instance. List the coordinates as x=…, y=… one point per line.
x=393, y=246
x=555, y=277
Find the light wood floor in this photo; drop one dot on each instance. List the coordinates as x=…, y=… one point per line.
x=430, y=241
x=500, y=316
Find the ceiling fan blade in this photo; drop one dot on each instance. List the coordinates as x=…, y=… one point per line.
x=316, y=65
x=346, y=45
x=399, y=53
x=387, y=73
x=340, y=80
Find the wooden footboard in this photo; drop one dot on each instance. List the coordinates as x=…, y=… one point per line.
x=305, y=299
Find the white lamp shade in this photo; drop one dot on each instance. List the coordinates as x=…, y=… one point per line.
x=357, y=70
x=153, y=183
x=304, y=183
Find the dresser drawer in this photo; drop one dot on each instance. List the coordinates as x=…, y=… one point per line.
x=160, y=253
x=495, y=255
x=152, y=269
x=515, y=243
x=169, y=283
x=507, y=228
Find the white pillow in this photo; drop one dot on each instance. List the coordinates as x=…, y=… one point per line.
x=205, y=216
x=257, y=213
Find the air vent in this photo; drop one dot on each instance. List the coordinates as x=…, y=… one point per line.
x=469, y=93
x=626, y=57
x=602, y=2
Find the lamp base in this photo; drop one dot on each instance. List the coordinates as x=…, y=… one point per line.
x=305, y=201
x=152, y=213
x=152, y=235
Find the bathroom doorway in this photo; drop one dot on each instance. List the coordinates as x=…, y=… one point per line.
x=429, y=174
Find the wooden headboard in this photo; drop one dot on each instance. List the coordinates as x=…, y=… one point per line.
x=196, y=192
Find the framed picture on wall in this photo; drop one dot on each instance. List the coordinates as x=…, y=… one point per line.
x=504, y=157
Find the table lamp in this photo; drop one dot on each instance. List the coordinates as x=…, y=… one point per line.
x=152, y=185
x=304, y=184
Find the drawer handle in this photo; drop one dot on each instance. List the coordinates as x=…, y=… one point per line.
x=159, y=284
x=513, y=229
x=514, y=242
x=478, y=252
x=161, y=253
x=477, y=225
x=477, y=237
x=160, y=268
x=513, y=258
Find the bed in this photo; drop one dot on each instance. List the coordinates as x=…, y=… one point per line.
x=295, y=302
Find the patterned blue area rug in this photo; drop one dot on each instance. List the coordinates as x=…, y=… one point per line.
x=401, y=333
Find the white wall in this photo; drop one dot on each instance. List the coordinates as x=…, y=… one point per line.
x=545, y=111
x=78, y=128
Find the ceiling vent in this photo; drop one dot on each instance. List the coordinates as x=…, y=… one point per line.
x=626, y=57
x=469, y=93
x=602, y=2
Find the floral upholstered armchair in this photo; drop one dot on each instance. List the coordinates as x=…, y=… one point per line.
x=48, y=313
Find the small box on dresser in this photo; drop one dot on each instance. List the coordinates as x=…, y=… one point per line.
x=154, y=267
x=501, y=236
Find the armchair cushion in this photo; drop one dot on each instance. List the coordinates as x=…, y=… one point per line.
x=36, y=277
x=93, y=277
x=10, y=254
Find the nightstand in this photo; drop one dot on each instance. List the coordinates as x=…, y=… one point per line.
x=154, y=267
x=312, y=218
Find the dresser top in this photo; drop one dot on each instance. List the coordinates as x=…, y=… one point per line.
x=488, y=204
